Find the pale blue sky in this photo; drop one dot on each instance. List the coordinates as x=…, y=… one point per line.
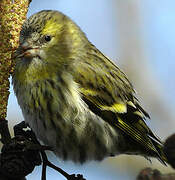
x=98, y=20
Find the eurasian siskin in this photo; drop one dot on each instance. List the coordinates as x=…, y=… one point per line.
x=74, y=98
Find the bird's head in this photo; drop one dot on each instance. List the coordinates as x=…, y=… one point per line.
x=49, y=38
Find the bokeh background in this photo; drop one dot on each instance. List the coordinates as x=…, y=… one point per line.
x=140, y=37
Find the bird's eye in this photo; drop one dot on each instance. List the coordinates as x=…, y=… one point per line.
x=47, y=38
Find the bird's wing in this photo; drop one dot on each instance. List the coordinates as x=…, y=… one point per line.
x=106, y=90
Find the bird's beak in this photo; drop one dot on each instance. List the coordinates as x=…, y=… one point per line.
x=26, y=50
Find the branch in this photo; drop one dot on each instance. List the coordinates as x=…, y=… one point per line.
x=4, y=131
x=150, y=174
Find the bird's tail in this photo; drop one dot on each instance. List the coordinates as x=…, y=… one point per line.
x=133, y=124
x=149, y=142
x=160, y=152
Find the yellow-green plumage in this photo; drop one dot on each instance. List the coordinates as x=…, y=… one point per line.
x=74, y=98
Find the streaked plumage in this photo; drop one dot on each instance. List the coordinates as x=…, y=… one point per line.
x=74, y=98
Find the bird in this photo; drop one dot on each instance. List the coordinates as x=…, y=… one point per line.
x=74, y=98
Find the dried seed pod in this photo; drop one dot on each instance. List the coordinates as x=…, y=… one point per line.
x=18, y=159
x=12, y=16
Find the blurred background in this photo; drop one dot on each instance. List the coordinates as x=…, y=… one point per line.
x=140, y=37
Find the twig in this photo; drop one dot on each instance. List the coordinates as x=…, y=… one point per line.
x=47, y=163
